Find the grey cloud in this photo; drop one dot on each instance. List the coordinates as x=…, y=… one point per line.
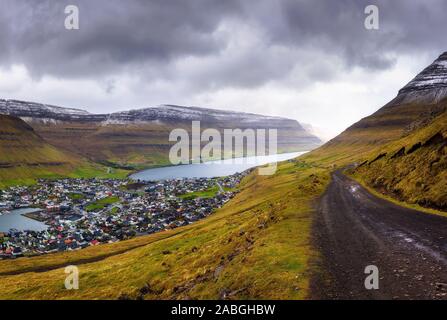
x=113, y=34
x=148, y=38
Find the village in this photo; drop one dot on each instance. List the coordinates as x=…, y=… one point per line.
x=87, y=212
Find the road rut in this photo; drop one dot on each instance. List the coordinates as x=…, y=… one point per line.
x=354, y=229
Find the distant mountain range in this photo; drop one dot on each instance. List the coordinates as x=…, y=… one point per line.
x=36, y=111
x=138, y=139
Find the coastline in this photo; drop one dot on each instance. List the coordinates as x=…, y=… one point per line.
x=34, y=215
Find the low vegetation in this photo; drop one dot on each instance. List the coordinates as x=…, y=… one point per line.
x=102, y=203
x=403, y=162
x=412, y=169
x=209, y=193
x=26, y=157
x=257, y=246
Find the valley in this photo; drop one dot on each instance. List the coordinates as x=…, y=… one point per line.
x=79, y=213
x=139, y=139
x=312, y=224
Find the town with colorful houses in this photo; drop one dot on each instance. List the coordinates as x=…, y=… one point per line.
x=79, y=213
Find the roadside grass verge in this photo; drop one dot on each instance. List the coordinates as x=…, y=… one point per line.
x=384, y=196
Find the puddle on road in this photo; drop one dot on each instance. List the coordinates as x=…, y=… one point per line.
x=438, y=255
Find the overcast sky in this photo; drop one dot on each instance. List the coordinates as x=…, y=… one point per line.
x=312, y=60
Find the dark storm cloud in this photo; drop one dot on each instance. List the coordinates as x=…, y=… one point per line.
x=337, y=27
x=112, y=34
x=148, y=38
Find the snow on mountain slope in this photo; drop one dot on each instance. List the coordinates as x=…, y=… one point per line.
x=24, y=108
x=429, y=86
x=172, y=112
x=30, y=111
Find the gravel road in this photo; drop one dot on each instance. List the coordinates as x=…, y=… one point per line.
x=354, y=229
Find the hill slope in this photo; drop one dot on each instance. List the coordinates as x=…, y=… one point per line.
x=24, y=156
x=401, y=148
x=412, y=169
x=140, y=138
x=255, y=247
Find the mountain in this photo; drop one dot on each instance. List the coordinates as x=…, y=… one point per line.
x=400, y=150
x=31, y=110
x=25, y=156
x=429, y=86
x=139, y=138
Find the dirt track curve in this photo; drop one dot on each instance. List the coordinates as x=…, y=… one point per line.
x=354, y=229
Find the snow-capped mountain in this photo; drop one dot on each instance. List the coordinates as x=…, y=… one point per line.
x=138, y=138
x=187, y=113
x=31, y=111
x=429, y=86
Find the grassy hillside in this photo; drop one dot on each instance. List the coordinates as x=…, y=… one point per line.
x=400, y=150
x=388, y=124
x=143, y=145
x=257, y=246
x=130, y=146
x=25, y=156
x=412, y=169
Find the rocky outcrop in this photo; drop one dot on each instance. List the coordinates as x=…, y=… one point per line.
x=32, y=110
x=429, y=86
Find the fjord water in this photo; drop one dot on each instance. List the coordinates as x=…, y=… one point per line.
x=16, y=220
x=211, y=169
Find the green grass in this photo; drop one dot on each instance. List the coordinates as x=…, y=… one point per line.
x=76, y=196
x=386, y=197
x=98, y=171
x=209, y=193
x=257, y=246
x=417, y=178
x=29, y=175
x=101, y=204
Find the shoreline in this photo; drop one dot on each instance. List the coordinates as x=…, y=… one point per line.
x=34, y=216
x=219, y=162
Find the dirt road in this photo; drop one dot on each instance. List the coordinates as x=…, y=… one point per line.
x=354, y=229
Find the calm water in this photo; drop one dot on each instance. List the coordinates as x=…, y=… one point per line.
x=211, y=169
x=15, y=220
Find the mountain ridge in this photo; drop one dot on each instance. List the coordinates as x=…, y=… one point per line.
x=21, y=108
x=429, y=86
x=25, y=156
x=400, y=150
x=139, y=138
